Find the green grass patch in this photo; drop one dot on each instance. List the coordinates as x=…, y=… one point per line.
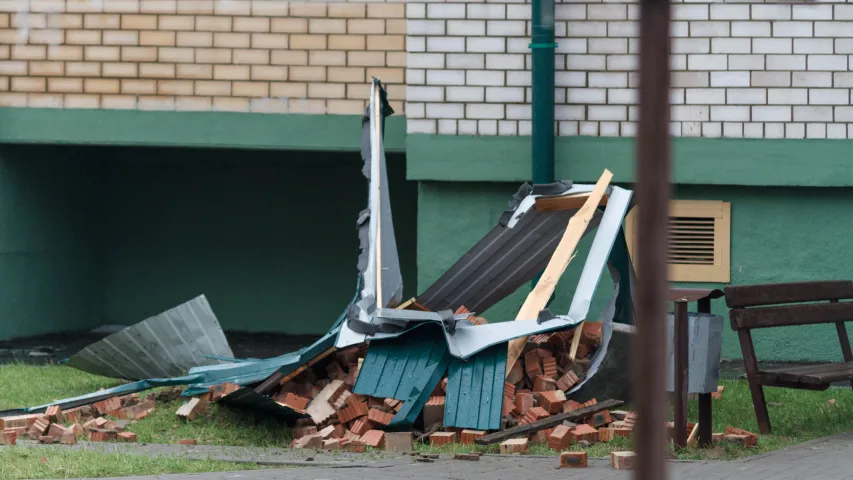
x=59, y=462
x=216, y=426
x=30, y=385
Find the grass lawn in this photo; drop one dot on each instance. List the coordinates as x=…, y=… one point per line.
x=57, y=462
x=797, y=416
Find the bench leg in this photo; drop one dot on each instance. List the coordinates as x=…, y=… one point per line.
x=845, y=343
x=751, y=364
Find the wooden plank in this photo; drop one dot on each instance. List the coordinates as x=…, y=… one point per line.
x=750, y=362
x=541, y=293
x=800, y=386
x=576, y=341
x=547, y=422
x=566, y=202
x=793, y=374
x=775, y=293
x=787, y=315
x=826, y=377
x=693, y=439
x=376, y=176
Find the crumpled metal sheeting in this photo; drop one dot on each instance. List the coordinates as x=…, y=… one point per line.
x=475, y=390
x=165, y=345
x=379, y=210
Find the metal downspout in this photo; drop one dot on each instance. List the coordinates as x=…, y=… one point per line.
x=542, y=108
x=542, y=46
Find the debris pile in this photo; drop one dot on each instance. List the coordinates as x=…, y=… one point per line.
x=99, y=422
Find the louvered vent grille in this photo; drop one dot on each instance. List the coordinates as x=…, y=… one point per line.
x=691, y=241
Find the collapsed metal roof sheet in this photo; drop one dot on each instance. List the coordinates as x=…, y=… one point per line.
x=165, y=345
x=475, y=390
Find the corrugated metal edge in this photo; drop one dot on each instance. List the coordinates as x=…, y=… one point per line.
x=165, y=345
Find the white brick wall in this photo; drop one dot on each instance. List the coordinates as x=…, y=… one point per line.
x=746, y=69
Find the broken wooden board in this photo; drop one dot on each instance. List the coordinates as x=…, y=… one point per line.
x=541, y=293
x=547, y=422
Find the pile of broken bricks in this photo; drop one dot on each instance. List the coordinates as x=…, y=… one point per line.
x=100, y=422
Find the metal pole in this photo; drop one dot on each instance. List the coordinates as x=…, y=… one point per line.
x=680, y=337
x=542, y=66
x=653, y=190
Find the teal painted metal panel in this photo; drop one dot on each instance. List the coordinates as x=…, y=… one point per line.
x=406, y=368
x=475, y=390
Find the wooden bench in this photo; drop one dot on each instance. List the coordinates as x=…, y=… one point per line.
x=785, y=304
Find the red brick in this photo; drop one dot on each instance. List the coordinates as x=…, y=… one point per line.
x=532, y=364
x=553, y=401
x=398, y=441
x=39, y=427
x=361, y=426
x=541, y=436
x=332, y=444
x=630, y=420
x=544, y=384
x=54, y=414
x=68, y=439
x=567, y=381
x=187, y=441
x=622, y=460
x=19, y=421
x=101, y=435
x=73, y=415
x=534, y=414
x=743, y=440
x=573, y=460
x=373, y=438
x=443, y=384
x=584, y=432
x=393, y=404
x=600, y=419
x=47, y=439
x=126, y=437
x=357, y=446
x=352, y=412
x=516, y=373
x=560, y=438
x=379, y=417
x=442, y=438
x=356, y=399
x=468, y=436
x=300, y=432
x=737, y=431
x=461, y=310
x=295, y=401
x=191, y=409
x=107, y=405
x=515, y=445
x=549, y=367
x=434, y=412
x=509, y=389
x=56, y=431
x=8, y=437
x=523, y=402
x=591, y=334
x=589, y=403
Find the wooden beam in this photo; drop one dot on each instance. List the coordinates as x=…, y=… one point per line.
x=278, y=378
x=567, y=202
x=541, y=293
x=547, y=422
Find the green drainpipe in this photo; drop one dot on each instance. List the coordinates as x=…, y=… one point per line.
x=542, y=44
x=543, y=47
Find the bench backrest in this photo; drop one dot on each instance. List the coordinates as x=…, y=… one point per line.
x=762, y=306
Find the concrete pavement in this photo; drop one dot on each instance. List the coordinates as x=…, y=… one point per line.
x=825, y=459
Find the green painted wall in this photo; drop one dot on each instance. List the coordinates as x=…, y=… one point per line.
x=778, y=234
x=49, y=241
x=94, y=235
x=269, y=237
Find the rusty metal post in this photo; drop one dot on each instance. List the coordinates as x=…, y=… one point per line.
x=680, y=347
x=653, y=189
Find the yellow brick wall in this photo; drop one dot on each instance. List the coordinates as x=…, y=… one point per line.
x=227, y=55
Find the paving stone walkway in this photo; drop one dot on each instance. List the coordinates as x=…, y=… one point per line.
x=825, y=459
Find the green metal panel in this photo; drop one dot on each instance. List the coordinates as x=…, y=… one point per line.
x=406, y=368
x=475, y=390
